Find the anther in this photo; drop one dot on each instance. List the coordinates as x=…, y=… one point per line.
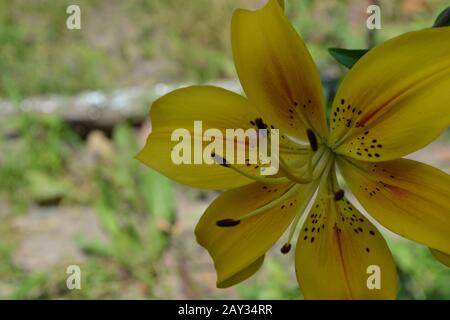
x=260, y=124
x=220, y=161
x=312, y=140
x=339, y=195
x=286, y=248
x=228, y=223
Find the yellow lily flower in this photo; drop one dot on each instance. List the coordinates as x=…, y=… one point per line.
x=394, y=101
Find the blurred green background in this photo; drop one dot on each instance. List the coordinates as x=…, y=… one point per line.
x=73, y=106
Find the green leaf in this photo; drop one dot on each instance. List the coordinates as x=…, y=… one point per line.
x=158, y=195
x=30, y=287
x=347, y=57
x=443, y=19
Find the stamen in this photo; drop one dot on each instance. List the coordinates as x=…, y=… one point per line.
x=228, y=223
x=260, y=178
x=320, y=159
x=286, y=248
x=270, y=205
x=294, y=150
x=293, y=190
x=299, y=215
x=324, y=167
x=219, y=160
x=260, y=124
x=323, y=164
x=339, y=195
x=312, y=140
x=293, y=176
x=325, y=173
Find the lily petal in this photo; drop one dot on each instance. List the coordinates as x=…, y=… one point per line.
x=243, y=274
x=277, y=72
x=395, y=99
x=337, y=251
x=216, y=108
x=441, y=257
x=408, y=197
x=236, y=250
x=281, y=3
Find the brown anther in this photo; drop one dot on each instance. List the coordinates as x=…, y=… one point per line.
x=286, y=248
x=228, y=223
x=339, y=195
x=312, y=140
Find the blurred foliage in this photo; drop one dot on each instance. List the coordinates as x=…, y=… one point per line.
x=135, y=209
x=168, y=40
x=134, y=206
x=420, y=275
x=39, y=147
x=43, y=56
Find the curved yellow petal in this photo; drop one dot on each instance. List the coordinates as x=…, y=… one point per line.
x=236, y=250
x=277, y=72
x=395, y=100
x=281, y=3
x=216, y=108
x=408, y=197
x=341, y=255
x=242, y=275
x=441, y=257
